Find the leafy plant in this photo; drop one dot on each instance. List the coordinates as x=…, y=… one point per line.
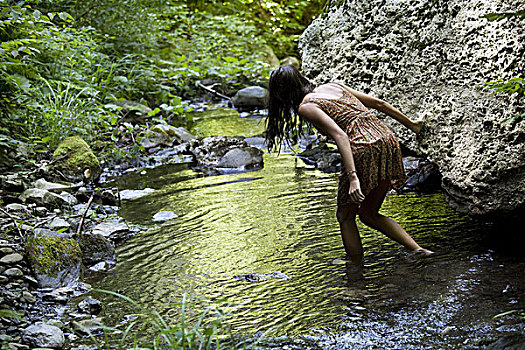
x=514, y=85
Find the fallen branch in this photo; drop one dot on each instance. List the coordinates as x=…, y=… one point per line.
x=218, y=94
x=14, y=221
x=81, y=223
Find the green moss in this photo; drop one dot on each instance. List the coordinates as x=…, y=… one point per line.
x=78, y=157
x=50, y=255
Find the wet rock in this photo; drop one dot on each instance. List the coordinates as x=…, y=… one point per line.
x=90, y=306
x=211, y=154
x=16, y=207
x=43, y=198
x=42, y=335
x=241, y=158
x=43, y=184
x=12, y=183
x=323, y=157
x=18, y=346
x=112, y=230
x=131, y=194
x=96, y=248
x=509, y=342
x=74, y=156
x=164, y=216
x=255, y=277
x=13, y=272
x=55, y=260
x=27, y=297
x=251, y=97
x=59, y=224
x=102, y=266
x=108, y=197
x=40, y=211
x=422, y=175
x=11, y=259
x=70, y=199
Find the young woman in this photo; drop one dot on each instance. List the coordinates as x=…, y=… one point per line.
x=370, y=153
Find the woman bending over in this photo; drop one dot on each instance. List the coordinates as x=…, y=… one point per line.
x=370, y=153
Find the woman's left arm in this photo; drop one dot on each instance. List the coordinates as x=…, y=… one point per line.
x=388, y=109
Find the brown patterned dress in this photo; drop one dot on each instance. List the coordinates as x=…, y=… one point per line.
x=376, y=151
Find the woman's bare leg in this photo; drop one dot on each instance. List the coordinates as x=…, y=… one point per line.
x=369, y=215
x=349, y=233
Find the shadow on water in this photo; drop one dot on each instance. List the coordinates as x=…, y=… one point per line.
x=281, y=219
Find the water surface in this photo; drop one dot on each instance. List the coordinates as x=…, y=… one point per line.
x=281, y=219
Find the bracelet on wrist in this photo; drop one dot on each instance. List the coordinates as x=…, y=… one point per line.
x=350, y=172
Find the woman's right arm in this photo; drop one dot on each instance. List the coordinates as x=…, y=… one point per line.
x=388, y=109
x=321, y=120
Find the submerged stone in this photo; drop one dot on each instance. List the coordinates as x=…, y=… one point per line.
x=164, y=216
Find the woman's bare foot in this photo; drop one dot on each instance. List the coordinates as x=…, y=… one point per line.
x=422, y=251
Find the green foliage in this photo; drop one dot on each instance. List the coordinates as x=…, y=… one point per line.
x=208, y=329
x=513, y=85
x=64, y=64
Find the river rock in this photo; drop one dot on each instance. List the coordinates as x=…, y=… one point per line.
x=164, y=215
x=323, y=157
x=514, y=341
x=53, y=187
x=90, y=306
x=427, y=58
x=227, y=152
x=41, y=335
x=55, y=260
x=16, y=207
x=42, y=197
x=59, y=224
x=112, y=230
x=241, y=158
x=13, y=272
x=251, y=97
x=11, y=259
x=96, y=248
x=12, y=183
x=75, y=159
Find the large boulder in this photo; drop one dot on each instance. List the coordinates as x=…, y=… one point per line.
x=76, y=160
x=427, y=58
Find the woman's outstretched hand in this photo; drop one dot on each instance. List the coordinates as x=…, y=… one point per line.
x=416, y=126
x=355, y=194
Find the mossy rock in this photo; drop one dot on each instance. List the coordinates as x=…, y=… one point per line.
x=56, y=260
x=77, y=158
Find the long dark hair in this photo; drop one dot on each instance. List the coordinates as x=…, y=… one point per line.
x=287, y=88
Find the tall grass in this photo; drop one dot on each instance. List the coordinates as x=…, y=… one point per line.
x=211, y=329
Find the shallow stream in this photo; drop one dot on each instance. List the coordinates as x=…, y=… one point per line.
x=266, y=241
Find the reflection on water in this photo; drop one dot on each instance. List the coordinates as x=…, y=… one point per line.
x=282, y=219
